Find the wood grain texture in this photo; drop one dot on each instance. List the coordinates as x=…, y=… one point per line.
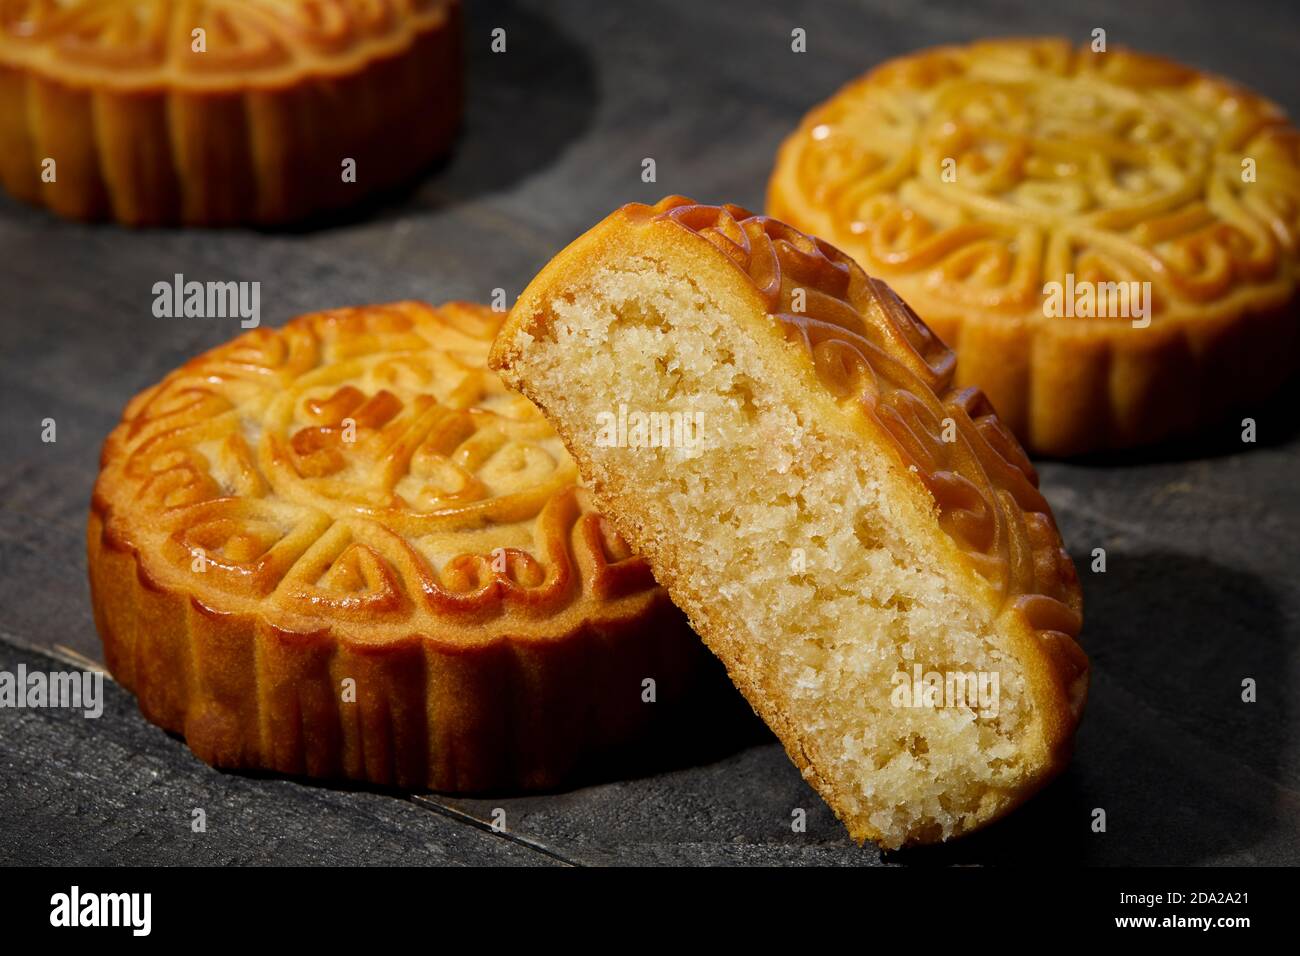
x=1202, y=541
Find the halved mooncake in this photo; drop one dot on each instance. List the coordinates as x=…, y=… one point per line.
x=343, y=548
x=211, y=112
x=1109, y=240
x=853, y=536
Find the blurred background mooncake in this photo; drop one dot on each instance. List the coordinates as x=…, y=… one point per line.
x=1109, y=240
x=213, y=112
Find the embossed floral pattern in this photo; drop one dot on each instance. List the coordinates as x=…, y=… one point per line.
x=359, y=464
x=1112, y=166
x=244, y=36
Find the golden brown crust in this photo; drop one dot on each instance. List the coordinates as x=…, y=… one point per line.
x=874, y=359
x=1112, y=166
x=253, y=129
x=354, y=496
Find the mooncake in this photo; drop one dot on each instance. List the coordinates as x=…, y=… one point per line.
x=1110, y=241
x=343, y=548
x=861, y=541
x=214, y=112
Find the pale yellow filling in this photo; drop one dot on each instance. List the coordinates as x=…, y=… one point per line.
x=791, y=535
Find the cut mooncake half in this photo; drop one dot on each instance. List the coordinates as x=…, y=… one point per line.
x=863, y=545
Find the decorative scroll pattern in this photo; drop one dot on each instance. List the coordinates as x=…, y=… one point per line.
x=1112, y=167
x=359, y=464
x=148, y=37
x=871, y=351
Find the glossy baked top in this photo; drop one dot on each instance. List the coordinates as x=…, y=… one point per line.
x=873, y=355
x=361, y=469
x=969, y=177
x=152, y=43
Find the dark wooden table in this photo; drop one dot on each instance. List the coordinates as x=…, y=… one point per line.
x=1203, y=542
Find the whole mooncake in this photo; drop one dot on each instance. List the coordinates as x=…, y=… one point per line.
x=344, y=549
x=211, y=112
x=1109, y=241
x=860, y=541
